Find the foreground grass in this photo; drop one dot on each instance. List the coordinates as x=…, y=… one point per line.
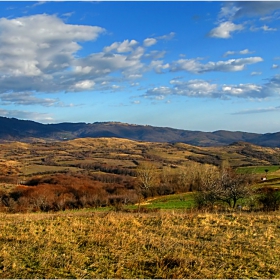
x=125, y=245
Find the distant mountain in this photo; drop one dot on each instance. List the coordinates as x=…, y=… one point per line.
x=22, y=130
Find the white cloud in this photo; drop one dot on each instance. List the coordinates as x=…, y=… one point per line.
x=231, y=11
x=149, y=42
x=225, y=29
x=275, y=66
x=257, y=110
x=194, y=66
x=158, y=66
x=40, y=44
x=39, y=117
x=229, y=53
x=243, y=90
x=122, y=47
x=84, y=85
x=159, y=91
x=169, y=36
x=154, y=55
x=28, y=98
x=255, y=8
x=243, y=52
x=228, y=11
x=40, y=54
x=37, y=53
x=256, y=73
x=202, y=88
x=264, y=28
x=246, y=51
x=189, y=88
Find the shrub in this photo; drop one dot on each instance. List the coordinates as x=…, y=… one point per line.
x=270, y=199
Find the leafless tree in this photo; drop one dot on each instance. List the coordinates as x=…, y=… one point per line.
x=233, y=187
x=226, y=186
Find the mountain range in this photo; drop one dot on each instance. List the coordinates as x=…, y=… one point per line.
x=13, y=129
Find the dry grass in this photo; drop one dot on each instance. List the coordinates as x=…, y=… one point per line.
x=126, y=245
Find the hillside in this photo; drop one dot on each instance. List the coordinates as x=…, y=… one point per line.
x=22, y=130
x=121, y=156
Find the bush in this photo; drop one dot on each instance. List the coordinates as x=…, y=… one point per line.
x=270, y=199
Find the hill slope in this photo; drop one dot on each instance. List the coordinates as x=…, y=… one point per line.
x=22, y=130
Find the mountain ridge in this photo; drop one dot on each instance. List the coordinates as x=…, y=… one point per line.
x=13, y=129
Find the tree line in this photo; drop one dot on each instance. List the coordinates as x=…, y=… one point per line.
x=212, y=187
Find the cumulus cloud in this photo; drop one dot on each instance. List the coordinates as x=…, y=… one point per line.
x=206, y=89
x=40, y=54
x=158, y=66
x=84, y=85
x=194, y=66
x=37, y=53
x=233, y=11
x=122, y=47
x=225, y=29
x=243, y=90
x=184, y=88
x=40, y=44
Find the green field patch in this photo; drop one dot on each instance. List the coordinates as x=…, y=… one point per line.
x=258, y=169
x=174, y=201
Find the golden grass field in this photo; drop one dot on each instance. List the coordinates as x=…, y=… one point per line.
x=165, y=244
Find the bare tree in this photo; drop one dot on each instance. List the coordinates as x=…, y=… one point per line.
x=147, y=178
x=147, y=175
x=226, y=186
x=233, y=187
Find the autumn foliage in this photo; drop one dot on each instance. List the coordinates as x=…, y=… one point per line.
x=67, y=191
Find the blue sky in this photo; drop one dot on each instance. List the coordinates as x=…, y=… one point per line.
x=190, y=65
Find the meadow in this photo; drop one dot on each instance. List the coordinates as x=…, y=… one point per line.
x=166, y=244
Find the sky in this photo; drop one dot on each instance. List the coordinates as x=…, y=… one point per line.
x=193, y=65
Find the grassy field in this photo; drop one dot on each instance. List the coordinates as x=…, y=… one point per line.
x=267, y=169
x=174, y=201
x=124, y=245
